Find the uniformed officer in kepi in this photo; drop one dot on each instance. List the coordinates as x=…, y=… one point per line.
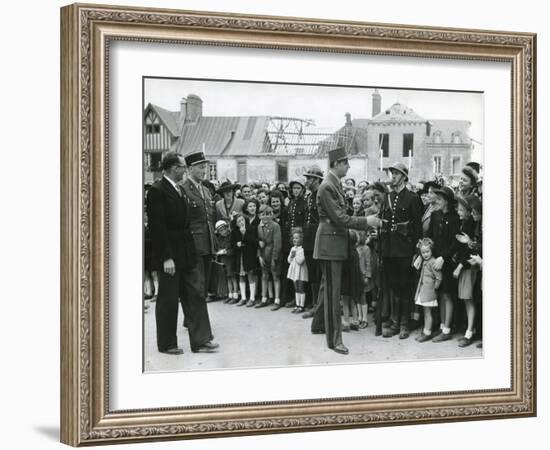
x=201, y=215
x=401, y=229
x=331, y=245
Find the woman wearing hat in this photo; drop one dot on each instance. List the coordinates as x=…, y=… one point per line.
x=229, y=205
x=468, y=181
x=444, y=226
x=428, y=200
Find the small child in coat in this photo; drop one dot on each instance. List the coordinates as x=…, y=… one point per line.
x=297, y=271
x=224, y=254
x=368, y=266
x=270, y=248
x=428, y=283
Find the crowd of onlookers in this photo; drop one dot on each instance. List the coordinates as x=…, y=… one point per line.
x=263, y=259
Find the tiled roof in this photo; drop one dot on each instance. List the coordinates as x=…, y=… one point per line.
x=169, y=118
x=227, y=135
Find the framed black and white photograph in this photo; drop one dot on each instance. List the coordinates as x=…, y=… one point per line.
x=279, y=224
x=263, y=141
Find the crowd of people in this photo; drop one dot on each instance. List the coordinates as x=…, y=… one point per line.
x=332, y=249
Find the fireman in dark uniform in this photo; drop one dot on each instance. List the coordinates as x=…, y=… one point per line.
x=401, y=215
x=314, y=177
x=294, y=221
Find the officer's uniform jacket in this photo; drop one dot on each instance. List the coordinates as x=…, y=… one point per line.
x=331, y=239
x=201, y=217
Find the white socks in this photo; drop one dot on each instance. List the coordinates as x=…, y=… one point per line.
x=300, y=299
x=242, y=285
x=252, y=291
x=468, y=334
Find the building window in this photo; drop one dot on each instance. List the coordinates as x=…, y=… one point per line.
x=241, y=172
x=456, y=165
x=152, y=128
x=437, y=137
x=282, y=171
x=384, y=144
x=408, y=144
x=457, y=138
x=212, y=171
x=437, y=164
x=154, y=162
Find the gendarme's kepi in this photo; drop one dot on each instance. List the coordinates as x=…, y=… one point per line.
x=193, y=159
x=337, y=154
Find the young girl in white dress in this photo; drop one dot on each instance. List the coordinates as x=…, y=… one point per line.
x=428, y=283
x=297, y=271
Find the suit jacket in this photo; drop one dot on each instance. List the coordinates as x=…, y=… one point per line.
x=201, y=217
x=404, y=209
x=223, y=214
x=331, y=239
x=168, y=221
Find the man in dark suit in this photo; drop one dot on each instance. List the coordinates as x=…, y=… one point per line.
x=174, y=258
x=402, y=227
x=331, y=245
x=201, y=216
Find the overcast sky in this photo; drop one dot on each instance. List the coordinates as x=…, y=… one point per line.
x=326, y=105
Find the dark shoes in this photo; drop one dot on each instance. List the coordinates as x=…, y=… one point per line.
x=354, y=326
x=390, y=332
x=172, y=351
x=209, y=347
x=261, y=305
x=404, y=333
x=242, y=302
x=423, y=337
x=317, y=332
x=276, y=307
x=308, y=314
x=442, y=337
x=464, y=342
x=250, y=303
x=290, y=305
x=342, y=349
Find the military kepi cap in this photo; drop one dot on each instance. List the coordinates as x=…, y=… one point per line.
x=337, y=154
x=195, y=158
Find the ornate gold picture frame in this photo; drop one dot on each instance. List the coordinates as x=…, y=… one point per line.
x=87, y=31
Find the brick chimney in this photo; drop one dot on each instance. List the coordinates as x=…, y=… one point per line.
x=348, y=119
x=194, y=108
x=183, y=109
x=376, y=103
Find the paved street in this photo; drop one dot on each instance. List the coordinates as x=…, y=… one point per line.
x=250, y=337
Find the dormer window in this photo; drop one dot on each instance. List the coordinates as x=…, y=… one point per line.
x=152, y=128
